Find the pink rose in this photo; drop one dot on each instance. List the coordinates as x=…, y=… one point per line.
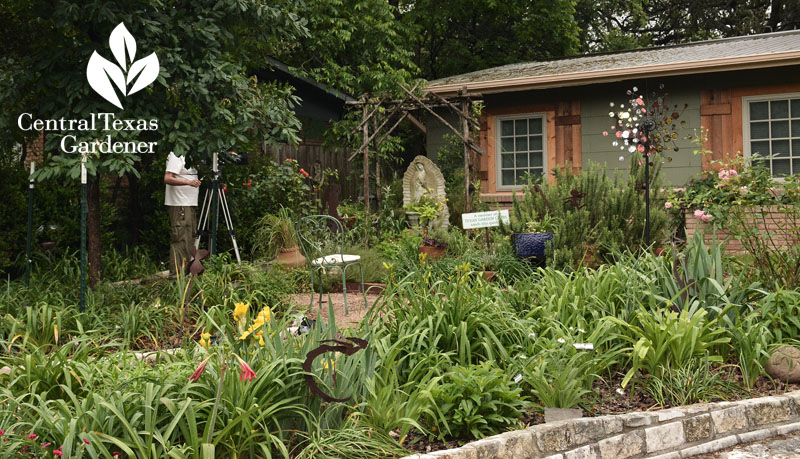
x=619, y=134
x=605, y=133
x=640, y=101
x=705, y=218
x=668, y=205
x=699, y=213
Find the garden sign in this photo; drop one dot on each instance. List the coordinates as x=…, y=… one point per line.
x=485, y=220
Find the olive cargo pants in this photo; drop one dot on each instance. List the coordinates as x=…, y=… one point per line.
x=182, y=222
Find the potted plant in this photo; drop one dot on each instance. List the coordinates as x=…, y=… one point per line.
x=435, y=246
x=348, y=213
x=275, y=237
x=533, y=242
x=428, y=209
x=489, y=267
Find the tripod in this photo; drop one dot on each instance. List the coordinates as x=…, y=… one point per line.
x=212, y=200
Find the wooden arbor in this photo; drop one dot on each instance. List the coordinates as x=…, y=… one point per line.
x=380, y=117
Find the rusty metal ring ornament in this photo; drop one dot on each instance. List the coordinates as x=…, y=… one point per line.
x=339, y=345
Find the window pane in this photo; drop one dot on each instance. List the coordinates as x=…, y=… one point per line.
x=508, y=178
x=506, y=128
x=761, y=148
x=521, y=143
x=759, y=130
x=779, y=109
x=759, y=110
x=536, y=172
x=536, y=143
x=781, y=167
x=761, y=163
x=780, y=129
x=508, y=144
x=536, y=125
x=508, y=161
x=521, y=127
x=521, y=179
x=536, y=159
x=795, y=128
x=796, y=148
x=795, y=108
x=522, y=160
x=796, y=166
x=780, y=147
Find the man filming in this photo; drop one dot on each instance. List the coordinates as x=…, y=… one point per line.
x=182, y=189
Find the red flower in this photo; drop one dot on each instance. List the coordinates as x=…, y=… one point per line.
x=200, y=369
x=86, y=441
x=224, y=188
x=32, y=436
x=304, y=173
x=58, y=452
x=2, y=432
x=247, y=373
x=116, y=454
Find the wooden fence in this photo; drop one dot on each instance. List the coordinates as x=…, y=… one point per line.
x=311, y=151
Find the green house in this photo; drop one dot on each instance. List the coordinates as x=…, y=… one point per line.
x=744, y=91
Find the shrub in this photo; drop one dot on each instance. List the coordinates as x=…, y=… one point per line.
x=752, y=207
x=476, y=401
x=595, y=215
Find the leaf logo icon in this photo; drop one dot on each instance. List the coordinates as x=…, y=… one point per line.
x=101, y=72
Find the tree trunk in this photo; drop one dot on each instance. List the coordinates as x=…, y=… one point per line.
x=134, y=210
x=93, y=231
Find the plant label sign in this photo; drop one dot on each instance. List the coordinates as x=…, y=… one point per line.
x=484, y=219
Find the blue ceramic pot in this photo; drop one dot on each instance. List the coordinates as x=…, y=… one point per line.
x=531, y=244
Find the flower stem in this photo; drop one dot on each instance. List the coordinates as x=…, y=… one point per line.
x=213, y=418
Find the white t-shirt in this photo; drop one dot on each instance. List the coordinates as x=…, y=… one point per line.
x=180, y=195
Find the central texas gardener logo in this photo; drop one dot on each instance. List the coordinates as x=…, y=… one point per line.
x=101, y=72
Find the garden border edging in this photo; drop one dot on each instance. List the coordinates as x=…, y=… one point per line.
x=665, y=434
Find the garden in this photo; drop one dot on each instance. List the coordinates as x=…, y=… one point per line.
x=227, y=364
x=634, y=296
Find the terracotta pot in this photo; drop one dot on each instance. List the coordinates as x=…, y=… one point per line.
x=291, y=258
x=434, y=253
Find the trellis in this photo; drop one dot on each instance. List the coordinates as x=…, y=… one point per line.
x=381, y=116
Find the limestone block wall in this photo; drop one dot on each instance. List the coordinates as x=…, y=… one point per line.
x=674, y=433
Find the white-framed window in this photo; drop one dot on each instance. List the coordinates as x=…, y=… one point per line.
x=521, y=149
x=771, y=126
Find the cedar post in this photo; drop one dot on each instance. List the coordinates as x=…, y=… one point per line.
x=465, y=128
x=365, y=146
x=377, y=171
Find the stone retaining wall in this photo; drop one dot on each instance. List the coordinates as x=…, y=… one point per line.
x=674, y=433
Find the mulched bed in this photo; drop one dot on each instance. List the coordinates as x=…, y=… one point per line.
x=607, y=401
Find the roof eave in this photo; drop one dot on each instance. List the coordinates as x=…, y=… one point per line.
x=780, y=59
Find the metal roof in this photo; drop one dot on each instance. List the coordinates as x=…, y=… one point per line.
x=751, y=51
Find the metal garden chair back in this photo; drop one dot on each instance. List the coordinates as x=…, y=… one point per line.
x=320, y=238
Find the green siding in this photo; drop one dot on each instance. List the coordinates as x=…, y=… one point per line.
x=598, y=149
x=436, y=132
